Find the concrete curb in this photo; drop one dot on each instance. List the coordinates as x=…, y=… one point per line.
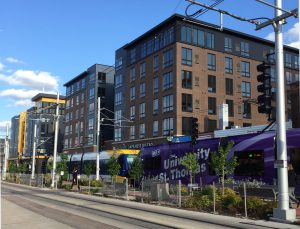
x=180, y=213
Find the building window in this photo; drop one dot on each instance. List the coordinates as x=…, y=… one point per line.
x=77, y=100
x=288, y=60
x=187, y=103
x=198, y=37
x=244, y=48
x=118, y=98
x=77, y=114
x=186, y=34
x=132, y=132
x=142, y=89
x=212, y=107
x=155, y=106
x=142, y=110
x=168, y=103
x=186, y=56
x=211, y=125
x=118, y=115
x=132, y=112
x=272, y=74
x=155, y=85
x=246, y=89
x=119, y=80
x=168, y=80
x=90, y=139
x=296, y=62
x=81, y=126
x=211, y=84
x=132, y=93
x=288, y=76
x=245, y=69
x=142, y=130
x=102, y=77
x=91, y=123
x=71, y=129
x=227, y=44
x=210, y=40
x=71, y=116
x=118, y=135
x=66, y=144
x=230, y=107
x=211, y=61
x=155, y=63
x=67, y=117
x=297, y=77
x=143, y=69
x=168, y=127
x=186, y=126
x=246, y=110
x=91, y=108
x=82, y=97
x=132, y=74
x=186, y=79
x=228, y=65
x=143, y=50
x=168, y=58
x=155, y=128
x=66, y=130
x=92, y=93
x=229, y=86
x=132, y=55
x=119, y=63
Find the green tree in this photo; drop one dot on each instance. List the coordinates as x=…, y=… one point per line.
x=113, y=166
x=23, y=167
x=12, y=167
x=87, y=169
x=191, y=163
x=49, y=164
x=136, y=170
x=221, y=165
x=62, y=166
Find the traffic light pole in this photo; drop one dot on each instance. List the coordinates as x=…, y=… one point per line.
x=33, y=151
x=282, y=212
x=97, y=139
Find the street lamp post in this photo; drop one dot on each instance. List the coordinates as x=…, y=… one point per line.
x=55, y=140
x=33, y=151
x=97, y=140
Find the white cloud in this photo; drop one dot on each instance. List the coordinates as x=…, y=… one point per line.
x=4, y=123
x=32, y=79
x=290, y=37
x=270, y=36
x=21, y=97
x=13, y=60
x=2, y=66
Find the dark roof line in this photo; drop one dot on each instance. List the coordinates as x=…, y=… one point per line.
x=192, y=20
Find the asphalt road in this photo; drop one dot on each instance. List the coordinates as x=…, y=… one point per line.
x=26, y=208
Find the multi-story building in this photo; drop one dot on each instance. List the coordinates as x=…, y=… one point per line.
x=82, y=94
x=14, y=134
x=188, y=68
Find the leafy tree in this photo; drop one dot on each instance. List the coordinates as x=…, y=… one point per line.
x=88, y=168
x=136, y=170
x=50, y=164
x=113, y=167
x=221, y=164
x=62, y=165
x=190, y=162
x=23, y=167
x=12, y=167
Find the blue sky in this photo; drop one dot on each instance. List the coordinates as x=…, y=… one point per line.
x=43, y=44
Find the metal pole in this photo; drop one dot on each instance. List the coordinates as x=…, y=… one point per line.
x=33, y=151
x=179, y=194
x=55, y=140
x=245, y=200
x=97, y=140
x=283, y=195
x=6, y=152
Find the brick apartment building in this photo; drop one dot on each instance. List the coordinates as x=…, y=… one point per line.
x=82, y=93
x=187, y=68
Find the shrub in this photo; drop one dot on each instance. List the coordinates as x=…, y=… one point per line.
x=189, y=202
x=231, y=203
x=204, y=203
x=47, y=180
x=184, y=190
x=83, y=181
x=255, y=207
x=96, y=183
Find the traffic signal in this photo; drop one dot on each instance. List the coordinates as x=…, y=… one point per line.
x=264, y=100
x=195, y=131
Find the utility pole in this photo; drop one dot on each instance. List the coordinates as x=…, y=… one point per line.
x=33, y=151
x=6, y=152
x=55, y=139
x=97, y=139
x=282, y=212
